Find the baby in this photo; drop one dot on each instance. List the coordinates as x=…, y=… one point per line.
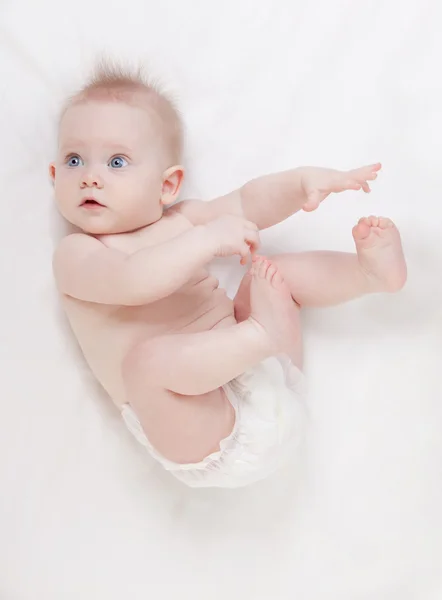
x=211, y=386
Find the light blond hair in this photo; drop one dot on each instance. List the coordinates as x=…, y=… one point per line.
x=110, y=81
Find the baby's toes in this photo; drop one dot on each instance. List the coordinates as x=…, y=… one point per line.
x=263, y=267
x=278, y=279
x=270, y=272
x=385, y=223
x=373, y=221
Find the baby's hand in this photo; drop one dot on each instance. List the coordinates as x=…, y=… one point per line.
x=318, y=183
x=233, y=235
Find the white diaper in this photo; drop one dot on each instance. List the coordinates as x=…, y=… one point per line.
x=269, y=422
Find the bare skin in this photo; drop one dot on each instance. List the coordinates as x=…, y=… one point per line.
x=188, y=414
x=154, y=326
x=183, y=410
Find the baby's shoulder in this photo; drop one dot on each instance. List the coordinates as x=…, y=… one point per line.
x=71, y=252
x=76, y=243
x=193, y=211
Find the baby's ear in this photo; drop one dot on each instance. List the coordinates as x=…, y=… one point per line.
x=52, y=172
x=172, y=180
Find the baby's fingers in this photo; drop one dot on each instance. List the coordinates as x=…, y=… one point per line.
x=352, y=184
x=245, y=253
x=313, y=201
x=253, y=241
x=357, y=184
x=368, y=173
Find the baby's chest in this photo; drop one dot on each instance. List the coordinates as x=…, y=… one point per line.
x=165, y=229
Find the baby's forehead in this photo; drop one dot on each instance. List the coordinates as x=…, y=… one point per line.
x=135, y=113
x=89, y=120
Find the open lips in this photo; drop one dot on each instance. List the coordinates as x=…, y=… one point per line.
x=91, y=203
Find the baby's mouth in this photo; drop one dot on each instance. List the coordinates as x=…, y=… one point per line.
x=91, y=203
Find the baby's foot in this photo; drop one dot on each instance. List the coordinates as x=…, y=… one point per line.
x=272, y=307
x=380, y=254
x=241, y=302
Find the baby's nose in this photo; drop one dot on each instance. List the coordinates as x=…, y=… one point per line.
x=92, y=180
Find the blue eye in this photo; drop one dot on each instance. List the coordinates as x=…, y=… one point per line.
x=117, y=162
x=74, y=161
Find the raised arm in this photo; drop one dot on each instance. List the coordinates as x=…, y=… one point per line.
x=270, y=199
x=86, y=269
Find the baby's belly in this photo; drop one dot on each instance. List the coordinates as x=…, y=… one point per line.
x=106, y=341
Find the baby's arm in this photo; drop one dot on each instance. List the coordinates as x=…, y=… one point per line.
x=270, y=199
x=86, y=269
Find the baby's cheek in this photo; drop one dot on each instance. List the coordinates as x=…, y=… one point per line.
x=64, y=179
x=152, y=183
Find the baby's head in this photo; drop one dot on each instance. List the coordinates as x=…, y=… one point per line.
x=119, y=154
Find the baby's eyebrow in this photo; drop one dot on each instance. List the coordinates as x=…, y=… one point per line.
x=118, y=148
x=111, y=147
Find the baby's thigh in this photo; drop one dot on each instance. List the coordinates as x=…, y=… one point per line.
x=183, y=429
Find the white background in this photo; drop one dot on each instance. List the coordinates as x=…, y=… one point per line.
x=263, y=86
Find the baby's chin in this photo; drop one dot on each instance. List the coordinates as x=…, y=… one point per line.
x=96, y=229
x=97, y=226
x=114, y=228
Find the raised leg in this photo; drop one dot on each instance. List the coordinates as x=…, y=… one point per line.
x=319, y=279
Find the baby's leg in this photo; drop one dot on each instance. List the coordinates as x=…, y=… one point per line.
x=183, y=429
x=196, y=363
x=319, y=279
x=173, y=382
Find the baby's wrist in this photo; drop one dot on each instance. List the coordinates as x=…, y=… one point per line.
x=207, y=240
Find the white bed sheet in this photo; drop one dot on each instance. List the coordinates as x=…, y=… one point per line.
x=263, y=86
